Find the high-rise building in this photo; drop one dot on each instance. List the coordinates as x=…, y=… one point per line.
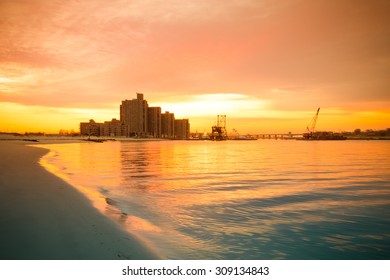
x=134, y=114
x=137, y=119
x=167, y=125
x=182, y=129
x=90, y=128
x=154, y=122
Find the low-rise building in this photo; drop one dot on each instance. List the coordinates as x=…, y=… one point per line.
x=90, y=128
x=113, y=128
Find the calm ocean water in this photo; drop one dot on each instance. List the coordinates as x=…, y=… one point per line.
x=265, y=199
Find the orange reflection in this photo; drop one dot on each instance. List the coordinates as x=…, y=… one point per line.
x=167, y=188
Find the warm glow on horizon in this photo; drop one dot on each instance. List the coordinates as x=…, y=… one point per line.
x=244, y=115
x=267, y=65
x=208, y=105
x=48, y=120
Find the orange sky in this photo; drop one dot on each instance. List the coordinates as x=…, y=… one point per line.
x=266, y=64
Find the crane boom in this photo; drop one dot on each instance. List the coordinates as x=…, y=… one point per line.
x=310, y=129
x=313, y=125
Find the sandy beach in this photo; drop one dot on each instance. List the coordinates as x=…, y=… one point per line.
x=43, y=217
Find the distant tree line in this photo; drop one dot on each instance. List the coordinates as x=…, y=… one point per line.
x=368, y=133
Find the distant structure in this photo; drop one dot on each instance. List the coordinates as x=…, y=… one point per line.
x=312, y=134
x=137, y=119
x=90, y=128
x=182, y=129
x=168, y=125
x=218, y=132
x=113, y=128
x=134, y=114
x=154, y=122
x=310, y=130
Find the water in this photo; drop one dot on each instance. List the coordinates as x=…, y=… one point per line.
x=265, y=199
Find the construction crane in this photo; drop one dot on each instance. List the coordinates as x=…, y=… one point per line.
x=312, y=126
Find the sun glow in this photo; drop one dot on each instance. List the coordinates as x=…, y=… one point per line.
x=7, y=80
x=210, y=105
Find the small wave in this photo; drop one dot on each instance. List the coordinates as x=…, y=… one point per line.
x=111, y=201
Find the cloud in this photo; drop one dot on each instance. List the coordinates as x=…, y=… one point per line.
x=293, y=54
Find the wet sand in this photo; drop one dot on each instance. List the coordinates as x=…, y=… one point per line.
x=43, y=217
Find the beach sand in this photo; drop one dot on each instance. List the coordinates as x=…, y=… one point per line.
x=43, y=217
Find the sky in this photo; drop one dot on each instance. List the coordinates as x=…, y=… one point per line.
x=266, y=64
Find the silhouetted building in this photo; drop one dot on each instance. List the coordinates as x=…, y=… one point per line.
x=154, y=122
x=138, y=120
x=90, y=128
x=113, y=128
x=134, y=114
x=182, y=129
x=167, y=125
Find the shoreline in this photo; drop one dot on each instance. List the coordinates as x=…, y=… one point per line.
x=28, y=140
x=44, y=218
